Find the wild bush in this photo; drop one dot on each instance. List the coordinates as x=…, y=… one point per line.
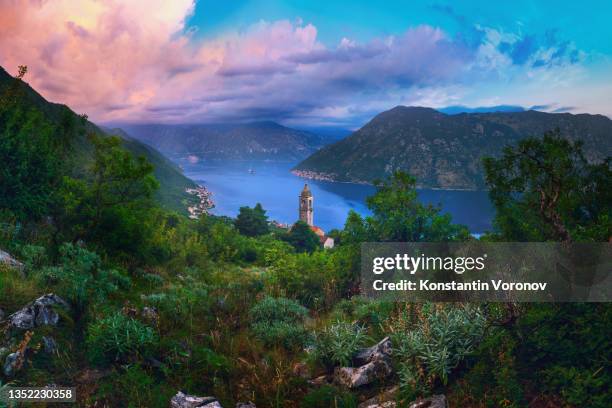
x=279, y=322
x=119, y=338
x=336, y=344
x=80, y=278
x=431, y=349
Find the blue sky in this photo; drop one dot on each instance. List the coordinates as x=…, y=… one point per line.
x=309, y=63
x=589, y=27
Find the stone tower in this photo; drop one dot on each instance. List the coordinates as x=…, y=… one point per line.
x=306, y=209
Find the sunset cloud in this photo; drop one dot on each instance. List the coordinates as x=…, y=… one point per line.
x=138, y=61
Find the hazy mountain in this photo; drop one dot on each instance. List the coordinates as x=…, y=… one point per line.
x=455, y=109
x=249, y=141
x=445, y=151
x=173, y=183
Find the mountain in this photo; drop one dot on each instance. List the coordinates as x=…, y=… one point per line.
x=248, y=141
x=445, y=151
x=173, y=183
x=455, y=109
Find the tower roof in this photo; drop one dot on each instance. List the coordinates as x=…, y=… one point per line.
x=306, y=191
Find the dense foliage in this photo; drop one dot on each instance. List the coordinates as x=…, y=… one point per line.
x=252, y=222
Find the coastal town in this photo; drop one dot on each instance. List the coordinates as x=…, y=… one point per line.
x=204, y=202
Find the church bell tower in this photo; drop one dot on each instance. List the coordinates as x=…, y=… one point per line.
x=306, y=209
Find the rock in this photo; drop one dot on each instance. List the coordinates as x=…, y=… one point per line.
x=370, y=364
x=1, y=315
x=182, y=400
x=380, y=350
x=386, y=404
x=50, y=299
x=436, y=401
x=245, y=405
x=38, y=313
x=319, y=381
x=12, y=363
x=22, y=319
x=7, y=259
x=385, y=399
x=356, y=377
x=49, y=344
x=150, y=315
x=46, y=316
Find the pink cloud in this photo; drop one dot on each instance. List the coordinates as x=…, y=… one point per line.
x=135, y=61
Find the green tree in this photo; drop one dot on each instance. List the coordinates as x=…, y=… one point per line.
x=252, y=222
x=398, y=216
x=112, y=205
x=302, y=238
x=544, y=189
x=32, y=154
x=355, y=229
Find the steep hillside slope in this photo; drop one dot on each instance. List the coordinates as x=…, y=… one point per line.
x=445, y=151
x=173, y=183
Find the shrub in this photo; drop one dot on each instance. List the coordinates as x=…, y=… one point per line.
x=33, y=256
x=118, y=338
x=329, y=397
x=3, y=397
x=443, y=337
x=80, y=278
x=279, y=322
x=338, y=343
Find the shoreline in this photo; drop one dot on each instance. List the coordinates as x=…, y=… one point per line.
x=312, y=175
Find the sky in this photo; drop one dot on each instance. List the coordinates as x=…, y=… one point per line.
x=308, y=63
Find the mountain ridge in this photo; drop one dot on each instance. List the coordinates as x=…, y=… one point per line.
x=264, y=140
x=442, y=150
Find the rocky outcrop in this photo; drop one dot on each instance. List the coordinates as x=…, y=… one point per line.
x=381, y=350
x=370, y=365
x=385, y=399
x=352, y=377
x=436, y=401
x=386, y=404
x=245, y=405
x=7, y=259
x=12, y=363
x=182, y=400
x=38, y=313
x=388, y=400
x=49, y=344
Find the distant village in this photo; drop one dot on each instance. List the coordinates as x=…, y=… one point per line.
x=204, y=204
x=305, y=212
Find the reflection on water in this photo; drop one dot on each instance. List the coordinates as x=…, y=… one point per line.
x=236, y=184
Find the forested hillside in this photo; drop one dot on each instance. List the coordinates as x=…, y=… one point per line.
x=75, y=128
x=446, y=151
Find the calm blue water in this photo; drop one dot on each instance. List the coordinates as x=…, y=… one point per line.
x=277, y=190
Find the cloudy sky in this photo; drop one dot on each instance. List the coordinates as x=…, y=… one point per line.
x=307, y=63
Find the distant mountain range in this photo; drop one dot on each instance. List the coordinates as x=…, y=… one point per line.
x=173, y=183
x=445, y=151
x=247, y=141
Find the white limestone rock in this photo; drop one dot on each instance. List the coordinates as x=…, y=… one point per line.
x=182, y=400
